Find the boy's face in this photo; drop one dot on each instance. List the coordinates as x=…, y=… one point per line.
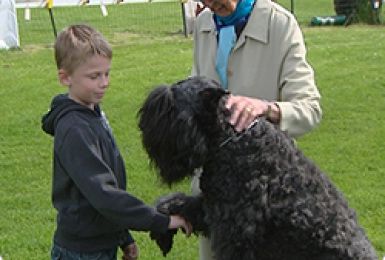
x=88, y=82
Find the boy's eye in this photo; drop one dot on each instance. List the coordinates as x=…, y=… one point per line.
x=97, y=75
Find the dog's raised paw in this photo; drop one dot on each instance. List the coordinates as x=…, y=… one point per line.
x=164, y=240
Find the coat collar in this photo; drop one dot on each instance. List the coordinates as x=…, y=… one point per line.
x=258, y=25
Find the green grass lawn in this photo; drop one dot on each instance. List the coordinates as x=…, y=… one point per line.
x=349, y=144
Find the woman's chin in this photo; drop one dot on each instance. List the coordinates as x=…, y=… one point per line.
x=223, y=12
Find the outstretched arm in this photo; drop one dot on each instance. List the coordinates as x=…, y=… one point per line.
x=179, y=204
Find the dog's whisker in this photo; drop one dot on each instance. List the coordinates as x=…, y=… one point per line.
x=238, y=136
x=253, y=123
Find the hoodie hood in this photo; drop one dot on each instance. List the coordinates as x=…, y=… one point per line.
x=60, y=106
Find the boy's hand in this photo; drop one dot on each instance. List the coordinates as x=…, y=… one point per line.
x=130, y=252
x=179, y=222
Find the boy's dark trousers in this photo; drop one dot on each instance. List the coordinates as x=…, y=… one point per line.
x=59, y=253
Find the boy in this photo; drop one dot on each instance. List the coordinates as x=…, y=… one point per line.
x=94, y=212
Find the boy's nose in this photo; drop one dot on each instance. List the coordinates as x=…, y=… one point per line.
x=105, y=81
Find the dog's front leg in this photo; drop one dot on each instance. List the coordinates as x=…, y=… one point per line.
x=188, y=207
x=193, y=212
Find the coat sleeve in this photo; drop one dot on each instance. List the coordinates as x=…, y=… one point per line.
x=80, y=156
x=299, y=99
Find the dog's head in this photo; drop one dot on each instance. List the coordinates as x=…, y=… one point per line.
x=174, y=121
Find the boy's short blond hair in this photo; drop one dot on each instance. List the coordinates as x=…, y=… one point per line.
x=75, y=44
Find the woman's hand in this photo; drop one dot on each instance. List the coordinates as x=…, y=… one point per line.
x=245, y=110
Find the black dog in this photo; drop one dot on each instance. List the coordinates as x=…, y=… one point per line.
x=261, y=197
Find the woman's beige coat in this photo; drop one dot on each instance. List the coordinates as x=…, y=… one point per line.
x=267, y=62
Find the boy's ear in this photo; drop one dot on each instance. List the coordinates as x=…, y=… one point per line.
x=64, y=77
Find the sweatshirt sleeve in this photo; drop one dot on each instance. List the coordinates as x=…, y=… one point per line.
x=128, y=240
x=80, y=156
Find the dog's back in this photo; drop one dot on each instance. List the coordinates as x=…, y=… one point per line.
x=259, y=188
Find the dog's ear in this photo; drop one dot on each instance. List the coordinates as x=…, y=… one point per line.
x=211, y=96
x=170, y=134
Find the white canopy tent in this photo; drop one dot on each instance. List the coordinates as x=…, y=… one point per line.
x=9, y=32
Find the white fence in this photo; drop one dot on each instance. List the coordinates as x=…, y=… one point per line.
x=40, y=3
x=36, y=28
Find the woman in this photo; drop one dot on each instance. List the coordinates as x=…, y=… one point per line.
x=255, y=48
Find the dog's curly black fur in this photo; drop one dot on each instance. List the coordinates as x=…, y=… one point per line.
x=261, y=197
